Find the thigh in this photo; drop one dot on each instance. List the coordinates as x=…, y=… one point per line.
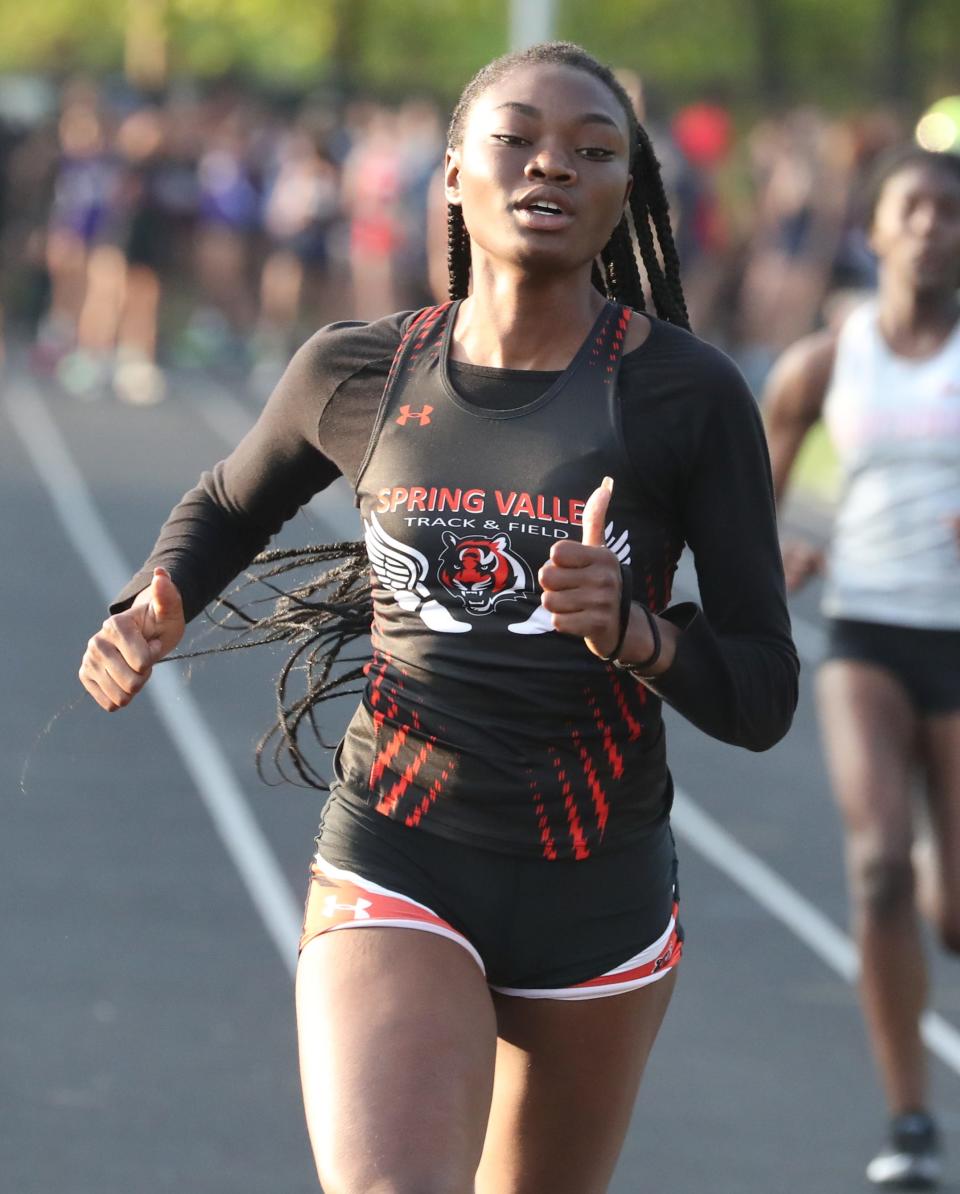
x=869, y=729
x=566, y=1081
x=397, y=1048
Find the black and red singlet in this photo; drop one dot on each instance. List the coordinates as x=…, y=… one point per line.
x=478, y=721
x=477, y=715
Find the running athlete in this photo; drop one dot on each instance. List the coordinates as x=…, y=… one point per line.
x=529, y=460
x=888, y=386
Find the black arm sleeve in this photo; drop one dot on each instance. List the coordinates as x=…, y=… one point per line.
x=735, y=673
x=290, y=454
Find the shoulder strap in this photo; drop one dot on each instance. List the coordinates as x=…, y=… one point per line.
x=411, y=344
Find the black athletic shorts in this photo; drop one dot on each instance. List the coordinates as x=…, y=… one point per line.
x=926, y=662
x=561, y=929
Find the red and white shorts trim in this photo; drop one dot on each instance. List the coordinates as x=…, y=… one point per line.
x=340, y=899
x=643, y=968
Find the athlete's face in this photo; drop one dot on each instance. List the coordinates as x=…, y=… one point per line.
x=916, y=227
x=543, y=171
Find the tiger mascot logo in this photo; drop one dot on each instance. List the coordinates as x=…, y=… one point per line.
x=483, y=572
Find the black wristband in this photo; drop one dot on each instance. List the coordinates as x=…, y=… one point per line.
x=626, y=601
x=640, y=666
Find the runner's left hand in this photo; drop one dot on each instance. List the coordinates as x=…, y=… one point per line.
x=581, y=581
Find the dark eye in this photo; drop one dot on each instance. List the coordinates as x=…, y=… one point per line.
x=510, y=139
x=596, y=154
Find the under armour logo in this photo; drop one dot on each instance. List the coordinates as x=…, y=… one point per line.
x=359, y=909
x=423, y=416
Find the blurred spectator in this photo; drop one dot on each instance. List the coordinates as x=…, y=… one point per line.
x=82, y=264
x=228, y=211
x=801, y=169
x=372, y=190
x=301, y=203
x=217, y=232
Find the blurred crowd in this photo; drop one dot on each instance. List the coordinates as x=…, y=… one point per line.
x=218, y=229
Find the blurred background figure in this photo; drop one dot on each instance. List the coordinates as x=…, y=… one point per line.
x=145, y=241
x=228, y=213
x=301, y=204
x=372, y=190
x=85, y=268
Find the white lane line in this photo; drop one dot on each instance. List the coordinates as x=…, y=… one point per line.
x=787, y=905
x=182, y=718
x=747, y=871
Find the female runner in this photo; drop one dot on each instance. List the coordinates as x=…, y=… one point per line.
x=889, y=692
x=502, y=787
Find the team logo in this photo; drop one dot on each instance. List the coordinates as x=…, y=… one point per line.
x=479, y=571
x=482, y=572
x=331, y=906
x=422, y=416
x=402, y=570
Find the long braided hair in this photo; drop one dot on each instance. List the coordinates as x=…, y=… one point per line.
x=616, y=274
x=325, y=615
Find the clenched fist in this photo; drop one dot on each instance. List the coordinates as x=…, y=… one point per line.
x=120, y=656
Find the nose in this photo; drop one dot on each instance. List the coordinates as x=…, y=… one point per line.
x=550, y=165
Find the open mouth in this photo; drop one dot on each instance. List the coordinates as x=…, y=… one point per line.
x=544, y=208
x=543, y=215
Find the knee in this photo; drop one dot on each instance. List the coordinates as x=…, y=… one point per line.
x=884, y=887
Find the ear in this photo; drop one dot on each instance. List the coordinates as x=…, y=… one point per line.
x=449, y=538
x=451, y=175
x=501, y=542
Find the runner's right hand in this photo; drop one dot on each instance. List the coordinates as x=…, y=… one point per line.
x=800, y=561
x=120, y=656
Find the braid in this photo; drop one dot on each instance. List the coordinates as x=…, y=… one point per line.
x=659, y=210
x=319, y=618
x=659, y=289
x=458, y=252
x=622, y=272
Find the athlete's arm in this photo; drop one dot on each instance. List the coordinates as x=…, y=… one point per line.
x=792, y=402
x=293, y=452
x=694, y=434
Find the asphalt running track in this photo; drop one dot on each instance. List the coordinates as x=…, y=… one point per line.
x=151, y=887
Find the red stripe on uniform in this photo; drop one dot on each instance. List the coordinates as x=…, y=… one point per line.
x=388, y=802
x=613, y=754
x=600, y=806
x=580, y=848
x=634, y=728
x=546, y=837
x=413, y=819
x=388, y=754
x=652, y=602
